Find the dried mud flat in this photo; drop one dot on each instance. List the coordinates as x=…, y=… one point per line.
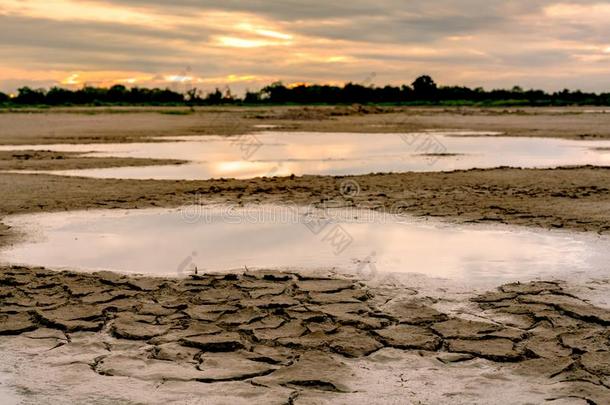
x=95, y=125
x=41, y=160
x=289, y=338
x=273, y=337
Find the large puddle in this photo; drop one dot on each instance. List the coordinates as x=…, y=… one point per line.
x=281, y=154
x=363, y=243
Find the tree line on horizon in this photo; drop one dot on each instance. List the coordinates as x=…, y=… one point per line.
x=423, y=91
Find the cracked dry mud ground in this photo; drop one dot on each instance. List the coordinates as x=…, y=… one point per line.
x=289, y=337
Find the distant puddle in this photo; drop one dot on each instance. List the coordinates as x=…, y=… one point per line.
x=363, y=243
x=281, y=154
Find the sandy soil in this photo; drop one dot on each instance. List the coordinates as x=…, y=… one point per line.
x=288, y=338
x=133, y=124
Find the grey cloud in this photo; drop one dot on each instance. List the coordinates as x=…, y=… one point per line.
x=402, y=29
x=287, y=10
x=581, y=31
x=79, y=45
x=451, y=59
x=497, y=26
x=392, y=21
x=37, y=31
x=532, y=59
x=67, y=60
x=11, y=85
x=291, y=10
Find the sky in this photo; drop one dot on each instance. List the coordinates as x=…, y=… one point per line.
x=246, y=44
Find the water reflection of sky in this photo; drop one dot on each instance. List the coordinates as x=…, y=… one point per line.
x=158, y=241
x=280, y=154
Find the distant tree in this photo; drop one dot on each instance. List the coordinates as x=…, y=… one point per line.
x=252, y=97
x=356, y=93
x=389, y=94
x=214, y=97
x=406, y=93
x=228, y=97
x=90, y=95
x=192, y=98
x=192, y=95
x=164, y=96
x=27, y=95
x=424, y=87
x=117, y=94
x=276, y=93
x=59, y=96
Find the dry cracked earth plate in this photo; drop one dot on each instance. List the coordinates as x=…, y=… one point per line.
x=292, y=338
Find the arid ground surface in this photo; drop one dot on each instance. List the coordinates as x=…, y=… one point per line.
x=284, y=338
x=128, y=124
x=294, y=338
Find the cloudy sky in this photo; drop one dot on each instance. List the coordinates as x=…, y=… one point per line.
x=248, y=43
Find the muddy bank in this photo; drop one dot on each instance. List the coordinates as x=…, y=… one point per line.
x=86, y=125
x=48, y=160
x=290, y=338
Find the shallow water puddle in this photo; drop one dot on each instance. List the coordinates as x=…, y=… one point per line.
x=363, y=243
x=281, y=154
